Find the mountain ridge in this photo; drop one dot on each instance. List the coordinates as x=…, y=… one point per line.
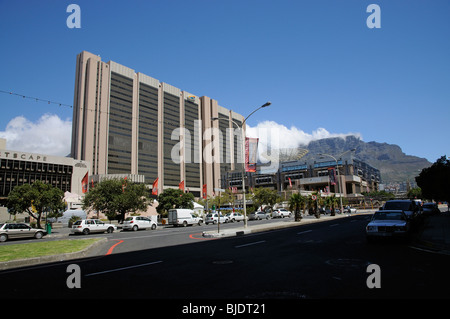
x=394, y=165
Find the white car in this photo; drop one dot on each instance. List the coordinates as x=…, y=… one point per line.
x=213, y=218
x=281, y=213
x=138, y=222
x=87, y=226
x=388, y=223
x=234, y=217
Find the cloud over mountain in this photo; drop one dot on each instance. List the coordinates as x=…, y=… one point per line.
x=279, y=136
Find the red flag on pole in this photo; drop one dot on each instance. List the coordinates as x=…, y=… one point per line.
x=181, y=185
x=204, y=191
x=85, y=183
x=155, y=187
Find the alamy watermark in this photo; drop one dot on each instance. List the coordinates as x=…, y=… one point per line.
x=74, y=19
x=224, y=146
x=374, y=279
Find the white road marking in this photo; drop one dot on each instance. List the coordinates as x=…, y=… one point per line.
x=304, y=232
x=255, y=243
x=123, y=268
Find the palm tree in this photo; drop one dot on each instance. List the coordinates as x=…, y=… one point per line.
x=332, y=202
x=312, y=204
x=297, y=202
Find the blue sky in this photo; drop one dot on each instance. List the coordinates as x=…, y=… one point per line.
x=325, y=72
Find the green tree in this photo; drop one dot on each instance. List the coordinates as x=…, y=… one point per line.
x=435, y=180
x=265, y=197
x=35, y=199
x=414, y=193
x=332, y=202
x=116, y=197
x=174, y=198
x=313, y=204
x=296, y=203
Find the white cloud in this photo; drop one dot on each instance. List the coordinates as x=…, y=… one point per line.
x=279, y=136
x=49, y=135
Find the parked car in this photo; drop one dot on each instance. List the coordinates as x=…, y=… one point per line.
x=19, y=230
x=388, y=223
x=183, y=217
x=138, y=222
x=259, y=215
x=430, y=209
x=409, y=207
x=234, y=217
x=281, y=213
x=349, y=210
x=87, y=226
x=214, y=218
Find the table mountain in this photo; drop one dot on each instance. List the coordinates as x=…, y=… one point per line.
x=394, y=165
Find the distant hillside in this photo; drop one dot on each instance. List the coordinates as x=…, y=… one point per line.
x=394, y=165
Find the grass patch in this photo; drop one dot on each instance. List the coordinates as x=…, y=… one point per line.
x=48, y=248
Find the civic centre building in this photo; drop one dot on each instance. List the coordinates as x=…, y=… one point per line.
x=18, y=168
x=130, y=123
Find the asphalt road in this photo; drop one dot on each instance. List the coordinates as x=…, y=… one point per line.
x=320, y=260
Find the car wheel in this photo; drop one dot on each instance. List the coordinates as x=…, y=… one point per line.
x=200, y=222
x=3, y=238
x=135, y=228
x=86, y=231
x=38, y=235
x=184, y=223
x=153, y=227
x=110, y=230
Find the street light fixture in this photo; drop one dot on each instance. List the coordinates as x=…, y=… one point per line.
x=243, y=154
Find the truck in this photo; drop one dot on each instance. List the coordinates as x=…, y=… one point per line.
x=183, y=217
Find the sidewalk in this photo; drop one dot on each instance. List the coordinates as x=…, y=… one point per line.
x=435, y=234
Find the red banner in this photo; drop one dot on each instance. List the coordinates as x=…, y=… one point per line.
x=251, y=154
x=155, y=187
x=85, y=183
x=204, y=191
x=181, y=185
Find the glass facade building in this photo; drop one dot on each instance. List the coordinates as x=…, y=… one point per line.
x=130, y=123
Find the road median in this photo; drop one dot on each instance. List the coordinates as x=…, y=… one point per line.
x=239, y=231
x=39, y=256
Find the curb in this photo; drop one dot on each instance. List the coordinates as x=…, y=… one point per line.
x=52, y=258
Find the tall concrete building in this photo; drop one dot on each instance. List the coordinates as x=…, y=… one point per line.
x=130, y=123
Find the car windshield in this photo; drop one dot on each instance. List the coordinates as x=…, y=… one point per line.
x=78, y=222
x=398, y=205
x=128, y=219
x=388, y=216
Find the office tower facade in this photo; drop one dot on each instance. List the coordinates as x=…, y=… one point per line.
x=130, y=123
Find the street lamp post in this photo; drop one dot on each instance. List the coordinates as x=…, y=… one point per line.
x=243, y=155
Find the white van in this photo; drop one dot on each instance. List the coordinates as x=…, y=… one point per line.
x=183, y=217
x=67, y=215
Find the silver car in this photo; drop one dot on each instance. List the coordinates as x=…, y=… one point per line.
x=19, y=230
x=259, y=215
x=388, y=223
